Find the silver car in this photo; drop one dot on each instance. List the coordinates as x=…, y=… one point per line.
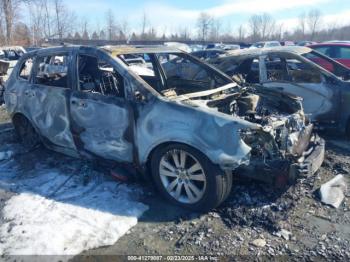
x=178, y=121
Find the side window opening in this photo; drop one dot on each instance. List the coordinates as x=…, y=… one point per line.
x=291, y=69
x=277, y=69
x=52, y=71
x=243, y=71
x=301, y=72
x=344, y=53
x=184, y=75
x=143, y=66
x=25, y=69
x=98, y=76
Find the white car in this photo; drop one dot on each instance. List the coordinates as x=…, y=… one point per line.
x=267, y=44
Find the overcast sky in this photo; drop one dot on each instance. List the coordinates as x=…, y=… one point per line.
x=170, y=15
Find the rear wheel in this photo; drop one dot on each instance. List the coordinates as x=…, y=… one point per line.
x=26, y=132
x=188, y=178
x=347, y=129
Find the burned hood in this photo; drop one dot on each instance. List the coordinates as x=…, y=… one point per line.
x=277, y=120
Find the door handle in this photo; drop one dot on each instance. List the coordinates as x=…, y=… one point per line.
x=78, y=103
x=29, y=93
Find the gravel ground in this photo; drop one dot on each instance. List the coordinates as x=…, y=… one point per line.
x=255, y=220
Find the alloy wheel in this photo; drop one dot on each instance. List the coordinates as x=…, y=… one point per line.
x=182, y=176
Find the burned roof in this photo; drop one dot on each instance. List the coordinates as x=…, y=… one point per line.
x=113, y=50
x=123, y=50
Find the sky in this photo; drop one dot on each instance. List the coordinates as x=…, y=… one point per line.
x=171, y=15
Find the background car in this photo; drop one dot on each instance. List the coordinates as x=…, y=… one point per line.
x=305, y=43
x=208, y=53
x=266, y=44
x=324, y=84
x=339, y=51
x=287, y=43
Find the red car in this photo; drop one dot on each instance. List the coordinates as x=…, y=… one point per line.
x=339, y=51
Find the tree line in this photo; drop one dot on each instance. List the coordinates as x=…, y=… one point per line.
x=31, y=22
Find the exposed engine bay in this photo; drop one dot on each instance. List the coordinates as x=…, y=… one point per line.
x=283, y=134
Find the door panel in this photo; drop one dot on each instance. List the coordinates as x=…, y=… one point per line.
x=46, y=98
x=101, y=126
x=316, y=97
x=47, y=106
x=292, y=75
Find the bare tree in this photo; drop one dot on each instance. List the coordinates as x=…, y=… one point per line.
x=10, y=10
x=254, y=24
x=111, y=26
x=125, y=29
x=302, y=24
x=144, y=24
x=241, y=33
x=204, y=23
x=268, y=26
x=102, y=35
x=64, y=19
x=184, y=33
x=215, y=30
x=84, y=28
x=21, y=34
x=314, y=22
x=278, y=34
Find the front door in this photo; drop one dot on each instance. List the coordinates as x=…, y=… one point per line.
x=101, y=118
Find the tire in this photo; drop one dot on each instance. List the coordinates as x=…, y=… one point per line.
x=203, y=185
x=347, y=129
x=26, y=133
x=2, y=90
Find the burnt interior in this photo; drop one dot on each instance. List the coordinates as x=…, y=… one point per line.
x=253, y=106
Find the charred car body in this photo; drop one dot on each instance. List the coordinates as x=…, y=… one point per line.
x=187, y=123
x=321, y=82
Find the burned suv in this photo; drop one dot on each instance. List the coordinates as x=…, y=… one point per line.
x=177, y=120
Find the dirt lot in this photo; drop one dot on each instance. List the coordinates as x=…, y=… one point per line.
x=255, y=220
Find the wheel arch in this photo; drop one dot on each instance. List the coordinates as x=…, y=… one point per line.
x=18, y=116
x=347, y=127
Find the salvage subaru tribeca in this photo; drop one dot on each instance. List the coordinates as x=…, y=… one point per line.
x=177, y=120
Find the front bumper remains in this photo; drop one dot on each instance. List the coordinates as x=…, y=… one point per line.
x=283, y=172
x=310, y=161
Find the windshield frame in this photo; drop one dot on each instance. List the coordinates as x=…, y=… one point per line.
x=161, y=76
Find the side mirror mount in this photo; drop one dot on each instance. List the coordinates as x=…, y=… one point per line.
x=87, y=87
x=139, y=96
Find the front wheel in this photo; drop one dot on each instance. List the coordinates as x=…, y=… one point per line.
x=347, y=129
x=188, y=178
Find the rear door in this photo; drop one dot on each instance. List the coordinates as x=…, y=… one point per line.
x=101, y=117
x=290, y=74
x=47, y=97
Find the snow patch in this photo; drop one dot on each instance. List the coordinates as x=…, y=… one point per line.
x=56, y=212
